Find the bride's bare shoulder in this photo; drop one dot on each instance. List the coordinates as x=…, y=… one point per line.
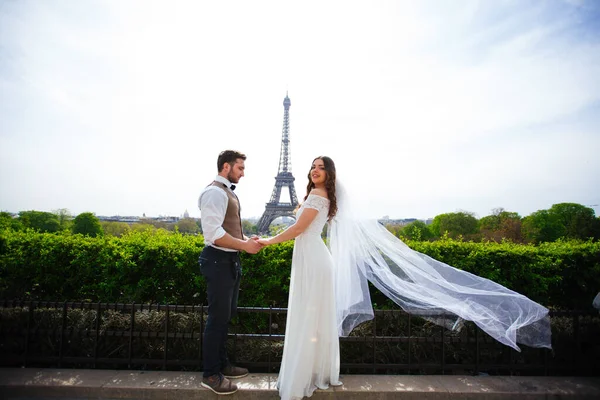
x=319, y=192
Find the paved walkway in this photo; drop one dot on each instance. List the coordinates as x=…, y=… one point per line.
x=32, y=383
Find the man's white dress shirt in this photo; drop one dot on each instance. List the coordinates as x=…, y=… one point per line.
x=213, y=207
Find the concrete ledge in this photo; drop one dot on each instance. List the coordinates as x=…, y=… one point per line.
x=28, y=383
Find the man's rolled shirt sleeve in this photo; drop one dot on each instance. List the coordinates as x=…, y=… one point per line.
x=213, y=206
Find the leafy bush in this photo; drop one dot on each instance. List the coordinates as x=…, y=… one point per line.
x=156, y=266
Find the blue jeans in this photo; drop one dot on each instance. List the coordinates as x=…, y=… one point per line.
x=222, y=271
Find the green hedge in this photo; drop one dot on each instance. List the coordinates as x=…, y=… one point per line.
x=148, y=267
x=162, y=267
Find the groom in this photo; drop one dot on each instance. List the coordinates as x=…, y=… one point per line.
x=221, y=267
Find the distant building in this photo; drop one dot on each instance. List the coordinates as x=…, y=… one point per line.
x=118, y=218
x=133, y=219
x=402, y=222
x=164, y=218
x=395, y=222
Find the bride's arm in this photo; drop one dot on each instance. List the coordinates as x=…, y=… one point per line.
x=307, y=216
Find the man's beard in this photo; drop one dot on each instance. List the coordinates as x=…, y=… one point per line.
x=231, y=178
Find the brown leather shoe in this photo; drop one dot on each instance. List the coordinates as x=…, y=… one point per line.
x=219, y=384
x=233, y=372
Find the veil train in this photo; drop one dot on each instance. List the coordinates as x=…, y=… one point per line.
x=365, y=251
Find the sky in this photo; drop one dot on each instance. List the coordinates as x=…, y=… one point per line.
x=427, y=107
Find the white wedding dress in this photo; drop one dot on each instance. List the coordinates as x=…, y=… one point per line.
x=311, y=354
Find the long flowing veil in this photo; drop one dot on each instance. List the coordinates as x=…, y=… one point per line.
x=363, y=250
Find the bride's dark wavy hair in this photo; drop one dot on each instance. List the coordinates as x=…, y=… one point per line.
x=329, y=184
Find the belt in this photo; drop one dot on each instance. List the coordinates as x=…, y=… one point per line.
x=233, y=255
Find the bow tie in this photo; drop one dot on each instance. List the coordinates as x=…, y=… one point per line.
x=232, y=187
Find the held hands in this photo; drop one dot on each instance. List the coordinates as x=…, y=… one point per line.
x=252, y=246
x=255, y=244
x=264, y=242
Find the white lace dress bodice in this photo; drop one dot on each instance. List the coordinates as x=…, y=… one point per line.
x=321, y=204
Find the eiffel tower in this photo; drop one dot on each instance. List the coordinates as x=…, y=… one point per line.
x=275, y=208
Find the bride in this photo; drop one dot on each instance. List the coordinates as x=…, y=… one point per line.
x=329, y=293
x=311, y=353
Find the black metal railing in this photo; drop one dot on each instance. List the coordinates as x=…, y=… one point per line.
x=143, y=336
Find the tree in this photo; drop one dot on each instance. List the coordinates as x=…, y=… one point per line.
x=542, y=226
x=511, y=228
x=501, y=225
x=578, y=221
x=187, y=225
x=157, y=224
x=87, y=224
x=64, y=217
x=489, y=223
x=456, y=224
x=563, y=220
x=249, y=228
x=416, y=230
x=41, y=221
x=115, y=228
x=394, y=229
x=142, y=227
x=7, y=220
x=276, y=229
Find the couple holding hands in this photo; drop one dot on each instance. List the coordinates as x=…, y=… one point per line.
x=311, y=349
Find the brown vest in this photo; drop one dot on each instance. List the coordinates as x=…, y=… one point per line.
x=233, y=221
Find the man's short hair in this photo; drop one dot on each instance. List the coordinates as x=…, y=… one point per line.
x=229, y=157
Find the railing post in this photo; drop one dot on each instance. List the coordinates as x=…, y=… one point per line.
x=166, y=344
x=29, y=323
x=443, y=345
x=409, y=343
x=577, y=338
x=363, y=344
x=511, y=361
x=374, y=337
x=62, y=334
x=270, y=334
x=545, y=361
x=235, y=332
x=476, y=349
x=97, y=338
x=131, y=327
x=200, y=364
